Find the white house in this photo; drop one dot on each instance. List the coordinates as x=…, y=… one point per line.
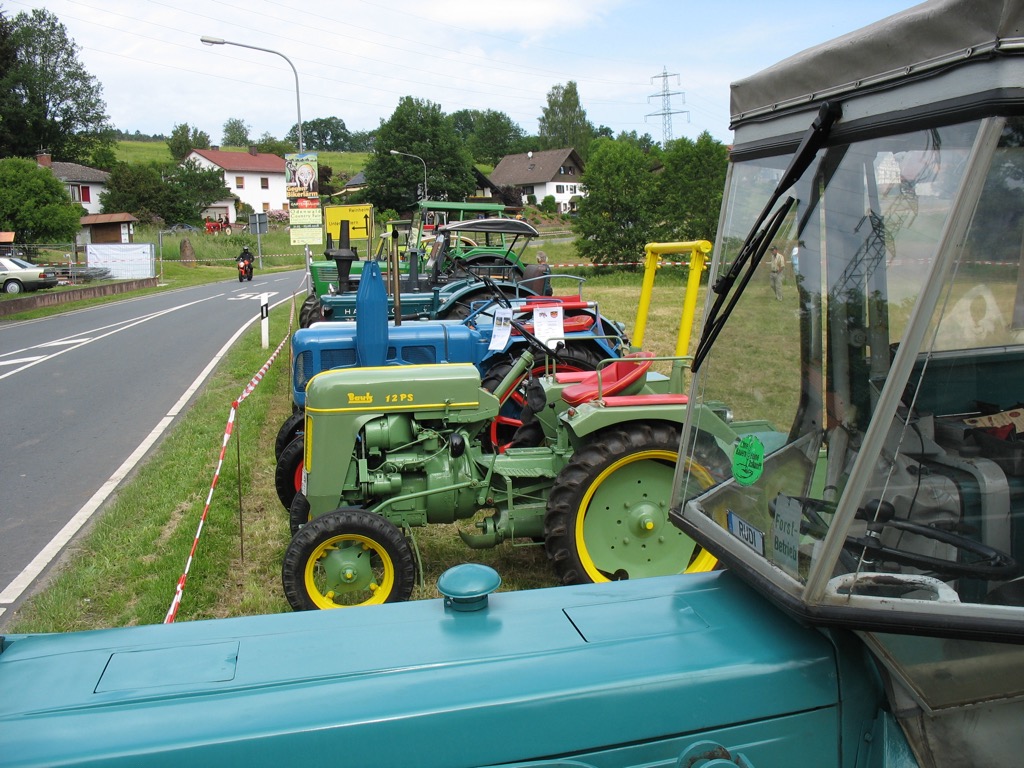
x=554, y=172
x=83, y=183
x=253, y=177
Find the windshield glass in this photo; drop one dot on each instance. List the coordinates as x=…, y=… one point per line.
x=847, y=478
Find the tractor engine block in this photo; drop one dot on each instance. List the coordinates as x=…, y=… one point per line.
x=403, y=459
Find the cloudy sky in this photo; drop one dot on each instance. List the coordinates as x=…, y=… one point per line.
x=356, y=58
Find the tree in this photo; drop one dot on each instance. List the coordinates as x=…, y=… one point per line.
x=326, y=134
x=418, y=127
x=35, y=205
x=236, y=133
x=645, y=143
x=494, y=136
x=172, y=194
x=362, y=141
x=690, y=188
x=47, y=98
x=273, y=146
x=185, y=138
x=616, y=218
x=464, y=122
x=564, y=121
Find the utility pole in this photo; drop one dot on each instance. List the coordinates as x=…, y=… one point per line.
x=666, y=105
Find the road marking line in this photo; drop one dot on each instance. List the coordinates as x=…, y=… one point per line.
x=52, y=550
x=21, y=360
x=77, y=342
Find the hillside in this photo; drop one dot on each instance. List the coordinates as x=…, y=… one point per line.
x=348, y=163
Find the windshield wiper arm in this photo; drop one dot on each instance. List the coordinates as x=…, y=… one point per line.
x=763, y=231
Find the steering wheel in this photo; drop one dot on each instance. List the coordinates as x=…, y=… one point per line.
x=990, y=564
x=535, y=343
x=499, y=296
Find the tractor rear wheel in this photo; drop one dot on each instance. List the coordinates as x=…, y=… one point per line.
x=607, y=514
x=293, y=426
x=288, y=475
x=345, y=558
x=576, y=357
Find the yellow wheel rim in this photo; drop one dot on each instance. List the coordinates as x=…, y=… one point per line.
x=638, y=525
x=349, y=570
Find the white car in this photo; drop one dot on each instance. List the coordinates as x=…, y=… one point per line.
x=18, y=275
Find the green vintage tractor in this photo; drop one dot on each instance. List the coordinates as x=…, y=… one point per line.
x=588, y=475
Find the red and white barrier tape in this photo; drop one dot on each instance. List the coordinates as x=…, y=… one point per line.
x=179, y=590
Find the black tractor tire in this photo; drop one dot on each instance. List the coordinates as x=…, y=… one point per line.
x=298, y=513
x=293, y=427
x=288, y=475
x=345, y=558
x=575, y=357
x=309, y=312
x=607, y=513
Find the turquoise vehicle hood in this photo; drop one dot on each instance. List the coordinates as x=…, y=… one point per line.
x=568, y=670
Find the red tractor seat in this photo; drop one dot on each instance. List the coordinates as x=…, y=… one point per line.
x=615, y=379
x=570, y=324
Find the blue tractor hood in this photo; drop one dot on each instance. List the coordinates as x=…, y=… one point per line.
x=569, y=670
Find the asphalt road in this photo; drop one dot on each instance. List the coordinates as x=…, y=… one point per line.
x=85, y=395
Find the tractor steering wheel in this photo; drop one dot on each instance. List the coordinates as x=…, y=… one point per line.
x=536, y=344
x=499, y=296
x=991, y=564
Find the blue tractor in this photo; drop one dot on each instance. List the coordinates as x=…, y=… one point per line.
x=871, y=611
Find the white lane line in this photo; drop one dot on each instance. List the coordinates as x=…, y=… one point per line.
x=21, y=360
x=39, y=563
x=78, y=341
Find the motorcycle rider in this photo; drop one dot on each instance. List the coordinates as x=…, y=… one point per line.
x=245, y=261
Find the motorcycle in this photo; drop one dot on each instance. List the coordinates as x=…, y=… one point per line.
x=244, y=265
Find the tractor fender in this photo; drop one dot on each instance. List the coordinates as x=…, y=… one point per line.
x=585, y=420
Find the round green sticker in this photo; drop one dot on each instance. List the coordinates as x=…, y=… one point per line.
x=748, y=460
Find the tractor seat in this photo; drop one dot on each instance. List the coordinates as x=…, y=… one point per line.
x=570, y=324
x=615, y=379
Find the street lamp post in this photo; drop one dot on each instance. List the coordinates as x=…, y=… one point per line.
x=396, y=152
x=298, y=108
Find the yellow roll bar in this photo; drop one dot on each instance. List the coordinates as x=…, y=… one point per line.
x=698, y=250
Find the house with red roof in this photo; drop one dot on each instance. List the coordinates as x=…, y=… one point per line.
x=256, y=178
x=555, y=172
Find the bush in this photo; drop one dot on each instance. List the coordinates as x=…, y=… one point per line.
x=548, y=204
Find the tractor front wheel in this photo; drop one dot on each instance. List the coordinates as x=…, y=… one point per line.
x=607, y=514
x=288, y=475
x=345, y=558
x=293, y=427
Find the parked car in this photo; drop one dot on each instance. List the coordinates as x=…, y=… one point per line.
x=182, y=228
x=17, y=275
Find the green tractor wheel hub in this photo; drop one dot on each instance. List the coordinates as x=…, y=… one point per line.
x=619, y=535
x=343, y=570
x=644, y=520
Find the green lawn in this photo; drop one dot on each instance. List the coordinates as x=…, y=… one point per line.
x=348, y=163
x=125, y=570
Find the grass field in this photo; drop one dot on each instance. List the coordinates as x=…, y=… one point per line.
x=125, y=570
x=347, y=163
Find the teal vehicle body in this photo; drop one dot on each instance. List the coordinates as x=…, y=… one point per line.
x=870, y=612
x=623, y=674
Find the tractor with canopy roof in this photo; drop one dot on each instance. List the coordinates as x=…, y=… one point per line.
x=871, y=611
